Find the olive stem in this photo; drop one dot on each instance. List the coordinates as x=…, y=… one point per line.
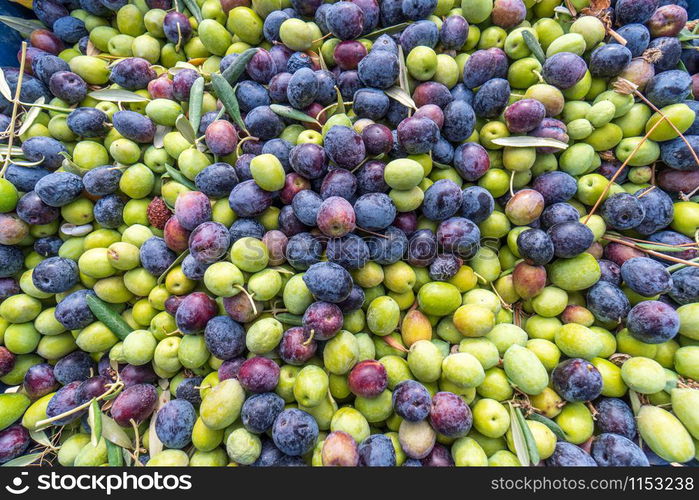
x=655, y=108
x=681, y=265
x=652, y=252
x=47, y=106
x=621, y=168
x=249, y=296
x=372, y=233
x=117, y=386
x=137, y=436
x=15, y=107
x=310, y=337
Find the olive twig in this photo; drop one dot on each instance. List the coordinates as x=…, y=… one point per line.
x=15, y=107
x=623, y=85
x=43, y=423
x=372, y=232
x=652, y=252
x=621, y=168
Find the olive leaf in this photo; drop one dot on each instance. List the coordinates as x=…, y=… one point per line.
x=155, y=446
x=117, y=95
x=126, y=456
x=518, y=439
x=23, y=460
x=193, y=7
x=553, y=426
x=112, y=432
x=115, y=455
x=226, y=95
x=5, y=87
x=534, y=45
x=321, y=61
x=160, y=132
x=31, y=116
x=340, y=109
x=389, y=29
x=94, y=420
x=292, y=114
x=196, y=98
x=23, y=26
x=525, y=141
x=41, y=438
x=108, y=316
x=403, y=81
x=233, y=72
x=174, y=264
x=528, y=437
x=289, y=319
x=185, y=128
x=400, y=95
x=178, y=176
x=440, y=165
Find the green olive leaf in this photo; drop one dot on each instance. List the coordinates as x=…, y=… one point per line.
x=23, y=461
x=400, y=95
x=41, y=438
x=108, y=316
x=117, y=95
x=115, y=455
x=518, y=439
x=528, y=437
x=389, y=29
x=553, y=426
x=321, y=61
x=155, y=446
x=289, y=319
x=160, y=132
x=196, y=99
x=403, y=81
x=178, y=176
x=174, y=264
x=185, y=128
x=525, y=141
x=94, y=419
x=292, y=114
x=112, y=432
x=233, y=72
x=31, y=116
x=23, y=26
x=534, y=45
x=5, y=87
x=226, y=95
x=193, y=7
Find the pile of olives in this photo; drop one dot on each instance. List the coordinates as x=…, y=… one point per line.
x=366, y=232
